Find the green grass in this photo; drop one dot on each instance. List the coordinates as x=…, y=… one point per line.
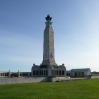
x=83, y=89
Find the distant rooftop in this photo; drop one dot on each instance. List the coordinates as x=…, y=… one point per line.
x=80, y=69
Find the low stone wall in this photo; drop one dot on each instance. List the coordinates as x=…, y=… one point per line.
x=17, y=80
x=61, y=79
x=54, y=79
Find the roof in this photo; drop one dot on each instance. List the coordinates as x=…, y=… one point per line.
x=80, y=69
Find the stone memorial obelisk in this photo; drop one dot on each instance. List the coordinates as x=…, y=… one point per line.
x=48, y=67
x=48, y=45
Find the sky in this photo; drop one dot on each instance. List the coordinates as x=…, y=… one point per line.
x=76, y=33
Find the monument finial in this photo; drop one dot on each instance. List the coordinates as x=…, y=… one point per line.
x=48, y=17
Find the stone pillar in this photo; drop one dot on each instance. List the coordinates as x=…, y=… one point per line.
x=32, y=74
x=38, y=72
x=28, y=74
x=80, y=74
x=49, y=72
x=77, y=74
x=9, y=73
x=55, y=72
x=18, y=73
x=46, y=72
x=61, y=72
x=43, y=72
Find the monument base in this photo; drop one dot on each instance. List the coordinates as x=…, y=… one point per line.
x=46, y=70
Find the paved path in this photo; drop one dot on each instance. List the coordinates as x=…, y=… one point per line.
x=72, y=79
x=94, y=77
x=69, y=79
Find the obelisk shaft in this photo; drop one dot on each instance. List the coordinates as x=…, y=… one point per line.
x=48, y=45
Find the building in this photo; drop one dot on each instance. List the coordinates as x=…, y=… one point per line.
x=81, y=72
x=14, y=74
x=48, y=67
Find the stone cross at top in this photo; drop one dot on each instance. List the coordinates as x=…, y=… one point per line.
x=48, y=18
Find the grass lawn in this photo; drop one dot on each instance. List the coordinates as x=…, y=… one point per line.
x=83, y=89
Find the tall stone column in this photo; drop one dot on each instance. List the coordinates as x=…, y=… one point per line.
x=48, y=44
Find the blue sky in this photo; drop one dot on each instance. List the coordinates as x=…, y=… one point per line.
x=76, y=33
